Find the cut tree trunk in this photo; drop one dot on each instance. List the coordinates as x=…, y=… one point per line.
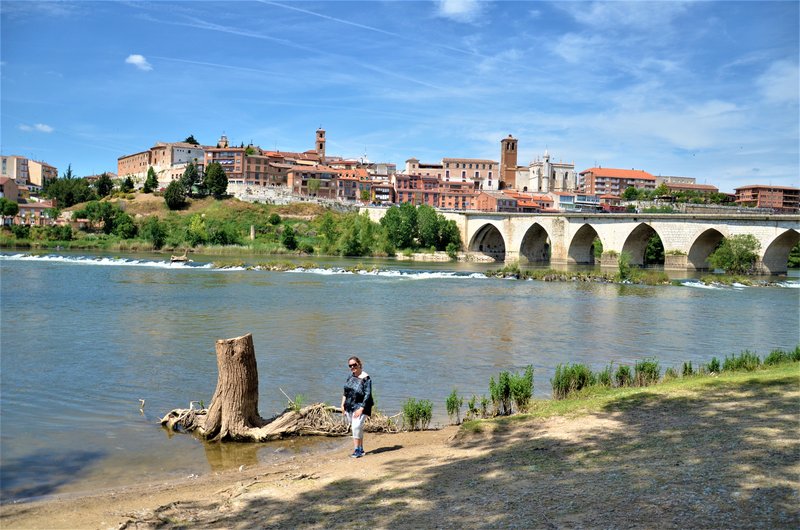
x=234, y=407
x=233, y=413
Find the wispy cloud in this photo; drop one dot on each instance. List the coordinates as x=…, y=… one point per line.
x=638, y=15
x=139, y=62
x=38, y=127
x=780, y=83
x=468, y=11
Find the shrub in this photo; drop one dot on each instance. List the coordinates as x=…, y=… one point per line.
x=288, y=239
x=484, y=407
x=670, y=374
x=452, y=250
x=713, y=366
x=795, y=354
x=687, y=369
x=417, y=414
x=746, y=360
x=623, y=376
x=21, y=231
x=777, y=357
x=571, y=378
x=274, y=219
x=175, y=195
x=522, y=388
x=501, y=393
x=306, y=248
x=472, y=407
x=647, y=372
x=604, y=377
x=453, y=405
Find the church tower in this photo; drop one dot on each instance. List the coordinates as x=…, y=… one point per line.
x=508, y=162
x=320, y=145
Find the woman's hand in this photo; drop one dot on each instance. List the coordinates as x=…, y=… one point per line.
x=357, y=413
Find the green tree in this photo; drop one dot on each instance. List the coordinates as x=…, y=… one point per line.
x=151, y=182
x=449, y=235
x=329, y=232
x=654, y=253
x=313, y=186
x=624, y=266
x=104, y=185
x=154, y=230
x=288, y=238
x=68, y=175
x=127, y=185
x=427, y=226
x=124, y=226
x=175, y=195
x=189, y=179
x=68, y=191
x=736, y=255
x=190, y=140
x=8, y=208
x=630, y=194
x=197, y=233
x=365, y=196
x=216, y=180
x=400, y=224
x=100, y=212
x=794, y=257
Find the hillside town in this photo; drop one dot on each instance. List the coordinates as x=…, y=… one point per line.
x=451, y=183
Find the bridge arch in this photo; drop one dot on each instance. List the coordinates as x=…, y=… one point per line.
x=776, y=255
x=581, y=248
x=536, y=244
x=702, y=247
x=488, y=240
x=637, y=241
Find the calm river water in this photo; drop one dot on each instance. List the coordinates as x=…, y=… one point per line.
x=85, y=338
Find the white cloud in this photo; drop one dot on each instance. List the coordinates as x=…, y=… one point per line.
x=460, y=10
x=644, y=15
x=780, y=83
x=139, y=62
x=39, y=127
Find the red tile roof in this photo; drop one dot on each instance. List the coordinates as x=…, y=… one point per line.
x=619, y=173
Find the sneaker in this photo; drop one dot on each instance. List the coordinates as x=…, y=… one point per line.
x=357, y=454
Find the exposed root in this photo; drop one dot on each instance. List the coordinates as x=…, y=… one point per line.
x=314, y=420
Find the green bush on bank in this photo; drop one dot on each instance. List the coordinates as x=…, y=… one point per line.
x=417, y=415
x=570, y=379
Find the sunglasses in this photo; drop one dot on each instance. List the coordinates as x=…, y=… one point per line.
x=352, y=365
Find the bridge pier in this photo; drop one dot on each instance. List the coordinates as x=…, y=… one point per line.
x=608, y=260
x=677, y=262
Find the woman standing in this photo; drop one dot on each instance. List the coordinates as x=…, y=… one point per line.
x=357, y=402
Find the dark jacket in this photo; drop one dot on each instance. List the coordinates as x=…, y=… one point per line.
x=358, y=394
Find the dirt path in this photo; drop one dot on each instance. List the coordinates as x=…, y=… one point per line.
x=726, y=458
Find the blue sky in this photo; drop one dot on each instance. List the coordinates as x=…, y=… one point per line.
x=701, y=89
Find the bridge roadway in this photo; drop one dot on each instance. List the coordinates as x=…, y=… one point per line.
x=561, y=238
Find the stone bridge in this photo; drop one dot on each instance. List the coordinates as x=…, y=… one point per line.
x=562, y=238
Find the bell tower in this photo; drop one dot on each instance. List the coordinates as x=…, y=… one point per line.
x=508, y=162
x=319, y=145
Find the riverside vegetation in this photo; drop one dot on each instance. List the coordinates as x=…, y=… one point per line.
x=142, y=222
x=578, y=382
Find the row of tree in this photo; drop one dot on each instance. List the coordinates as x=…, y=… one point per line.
x=662, y=192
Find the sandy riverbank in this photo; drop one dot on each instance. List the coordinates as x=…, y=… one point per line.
x=724, y=456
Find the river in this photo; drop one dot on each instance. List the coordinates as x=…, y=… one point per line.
x=84, y=338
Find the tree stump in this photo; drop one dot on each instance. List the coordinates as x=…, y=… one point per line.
x=234, y=407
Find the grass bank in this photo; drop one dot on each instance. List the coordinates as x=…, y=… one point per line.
x=595, y=399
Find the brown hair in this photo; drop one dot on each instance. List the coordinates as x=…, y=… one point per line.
x=354, y=358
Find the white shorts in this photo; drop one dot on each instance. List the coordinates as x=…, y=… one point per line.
x=357, y=424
